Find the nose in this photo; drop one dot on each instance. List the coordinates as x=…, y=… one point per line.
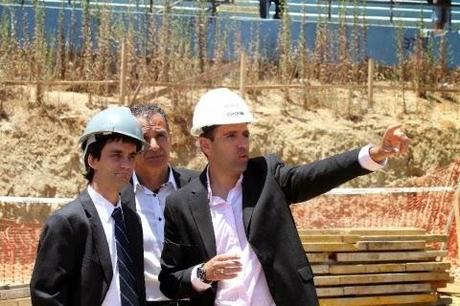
x=153, y=144
x=127, y=163
x=243, y=143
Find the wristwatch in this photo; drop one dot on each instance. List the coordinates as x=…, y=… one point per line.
x=201, y=274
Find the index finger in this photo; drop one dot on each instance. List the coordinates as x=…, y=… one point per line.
x=392, y=129
x=228, y=257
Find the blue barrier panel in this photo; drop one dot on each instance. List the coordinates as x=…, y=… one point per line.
x=257, y=36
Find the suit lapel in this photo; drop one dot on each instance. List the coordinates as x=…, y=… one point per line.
x=249, y=201
x=128, y=197
x=132, y=220
x=199, y=207
x=182, y=176
x=177, y=178
x=100, y=242
x=253, y=182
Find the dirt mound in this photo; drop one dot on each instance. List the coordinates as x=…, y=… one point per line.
x=40, y=154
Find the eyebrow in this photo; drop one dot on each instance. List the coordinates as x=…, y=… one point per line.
x=154, y=126
x=118, y=151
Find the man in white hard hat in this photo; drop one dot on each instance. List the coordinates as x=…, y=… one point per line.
x=86, y=254
x=153, y=180
x=230, y=238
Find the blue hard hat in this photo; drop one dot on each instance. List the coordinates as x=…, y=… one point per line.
x=116, y=119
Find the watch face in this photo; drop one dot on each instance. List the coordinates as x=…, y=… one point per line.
x=200, y=273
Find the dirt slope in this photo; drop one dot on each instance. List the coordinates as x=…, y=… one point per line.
x=39, y=142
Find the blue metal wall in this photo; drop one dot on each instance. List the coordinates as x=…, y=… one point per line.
x=257, y=35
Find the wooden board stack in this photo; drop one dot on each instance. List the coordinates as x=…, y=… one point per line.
x=390, y=266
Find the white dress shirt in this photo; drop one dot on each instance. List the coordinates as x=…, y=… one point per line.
x=150, y=208
x=104, y=210
x=250, y=287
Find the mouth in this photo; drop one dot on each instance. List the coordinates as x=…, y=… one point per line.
x=243, y=156
x=124, y=175
x=153, y=156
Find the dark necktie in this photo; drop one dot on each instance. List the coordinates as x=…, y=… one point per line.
x=125, y=263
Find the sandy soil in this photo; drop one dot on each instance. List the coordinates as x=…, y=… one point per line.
x=39, y=142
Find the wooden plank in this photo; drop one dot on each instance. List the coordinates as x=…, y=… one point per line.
x=371, y=290
x=388, y=267
x=370, y=82
x=451, y=289
x=427, y=266
x=336, y=280
x=389, y=256
x=386, y=289
x=14, y=292
x=363, y=231
x=242, y=73
x=369, y=268
x=123, y=71
x=356, y=238
x=363, y=246
x=330, y=238
x=390, y=245
x=211, y=74
x=318, y=257
x=379, y=300
x=329, y=247
x=427, y=238
x=329, y=292
x=320, y=269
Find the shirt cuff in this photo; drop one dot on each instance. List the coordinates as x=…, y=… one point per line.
x=197, y=284
x=366, y=161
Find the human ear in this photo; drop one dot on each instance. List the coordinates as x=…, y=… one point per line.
x=205, y=144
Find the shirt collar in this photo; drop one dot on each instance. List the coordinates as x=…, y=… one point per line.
x=216, y=200
x=139, y=187
x=103, y=206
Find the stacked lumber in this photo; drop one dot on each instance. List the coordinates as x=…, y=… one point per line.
x=391, y=266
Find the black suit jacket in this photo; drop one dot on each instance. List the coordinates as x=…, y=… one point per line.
x=269, y=187
x=73, y=265
x=182, y=177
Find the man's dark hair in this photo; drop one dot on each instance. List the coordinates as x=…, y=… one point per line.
x=148, y=110
x=209, y=132
x=96, y=147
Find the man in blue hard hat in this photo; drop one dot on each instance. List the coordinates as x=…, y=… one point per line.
x=87, y=250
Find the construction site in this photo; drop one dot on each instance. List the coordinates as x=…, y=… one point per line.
x=332, y=78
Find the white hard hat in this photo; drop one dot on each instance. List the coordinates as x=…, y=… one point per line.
x=220, y=106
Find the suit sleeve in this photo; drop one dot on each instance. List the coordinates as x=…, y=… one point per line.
x=301, y=183
x=50, y=283
x=177, y=258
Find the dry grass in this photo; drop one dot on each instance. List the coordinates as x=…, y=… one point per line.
x=172, y=50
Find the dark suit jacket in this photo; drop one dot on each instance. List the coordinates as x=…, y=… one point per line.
x=182, y=177
x=73, y=265
x=268, y=188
